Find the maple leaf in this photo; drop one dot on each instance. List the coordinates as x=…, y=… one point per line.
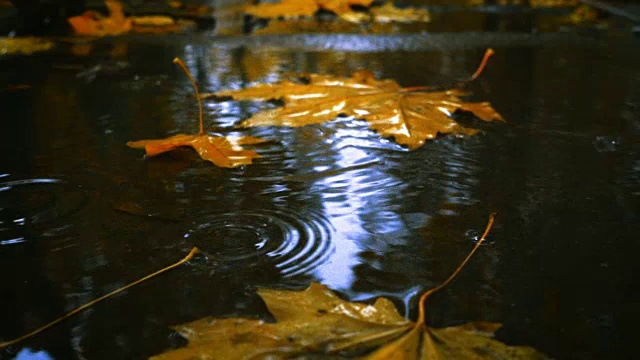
x=94, y=24
x=390, y=13
x=220, y=150
x=342, y=8
x=409, y=115
x=317, y=321
x=285, y=8
x=159, y=24
x=23, y=45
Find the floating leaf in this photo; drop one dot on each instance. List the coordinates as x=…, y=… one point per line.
x=553, y=3
x=220, y=150
x=342, y=8
x=409, y=115
x=309, y=25
x=316, y=321
x=92, y=23
x=23, y=45
x=390, y=13
x=159, y=24
x=285, y=9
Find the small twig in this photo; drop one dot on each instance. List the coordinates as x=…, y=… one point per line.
x=422, y=312
x=85, y=306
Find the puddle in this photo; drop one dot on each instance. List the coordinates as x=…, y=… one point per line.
x=335, y=202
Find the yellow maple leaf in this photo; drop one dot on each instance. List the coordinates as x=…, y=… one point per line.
x=23, y=45
x=316, y=321
x=342, y=8
x=409, y=116
x=285, y=9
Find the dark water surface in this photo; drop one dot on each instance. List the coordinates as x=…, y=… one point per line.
x=81, y=214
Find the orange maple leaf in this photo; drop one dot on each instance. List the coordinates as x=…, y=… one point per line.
x=297, y=8
x=94, y=24
x=409, y=115
x=220, y=150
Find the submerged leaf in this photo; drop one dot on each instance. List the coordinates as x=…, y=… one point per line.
x=408, y=116
x=390, y=13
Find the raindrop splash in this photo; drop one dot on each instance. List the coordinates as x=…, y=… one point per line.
x=31, y=203
x=293, y=243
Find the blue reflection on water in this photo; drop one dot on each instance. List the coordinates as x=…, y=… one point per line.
x=17, y=240
x=27, y=354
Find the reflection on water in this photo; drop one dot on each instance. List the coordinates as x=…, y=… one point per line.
x=28, y=354
x=333, y=202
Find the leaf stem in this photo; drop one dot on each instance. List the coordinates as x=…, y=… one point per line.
x=422, y=312
x=487, y=54
x=193, y=252
x=485, y=60
x=195, y=86
x=418, y=88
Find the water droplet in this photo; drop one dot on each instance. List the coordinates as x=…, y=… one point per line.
x=607, y=143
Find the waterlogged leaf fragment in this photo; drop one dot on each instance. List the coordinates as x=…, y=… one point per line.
x=220, y=150
x=390, y=13
x=410, y=117
x=23, y=45
x=92, y=23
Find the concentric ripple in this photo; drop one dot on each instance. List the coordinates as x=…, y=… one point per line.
x=27, y=203
x=293, y=243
